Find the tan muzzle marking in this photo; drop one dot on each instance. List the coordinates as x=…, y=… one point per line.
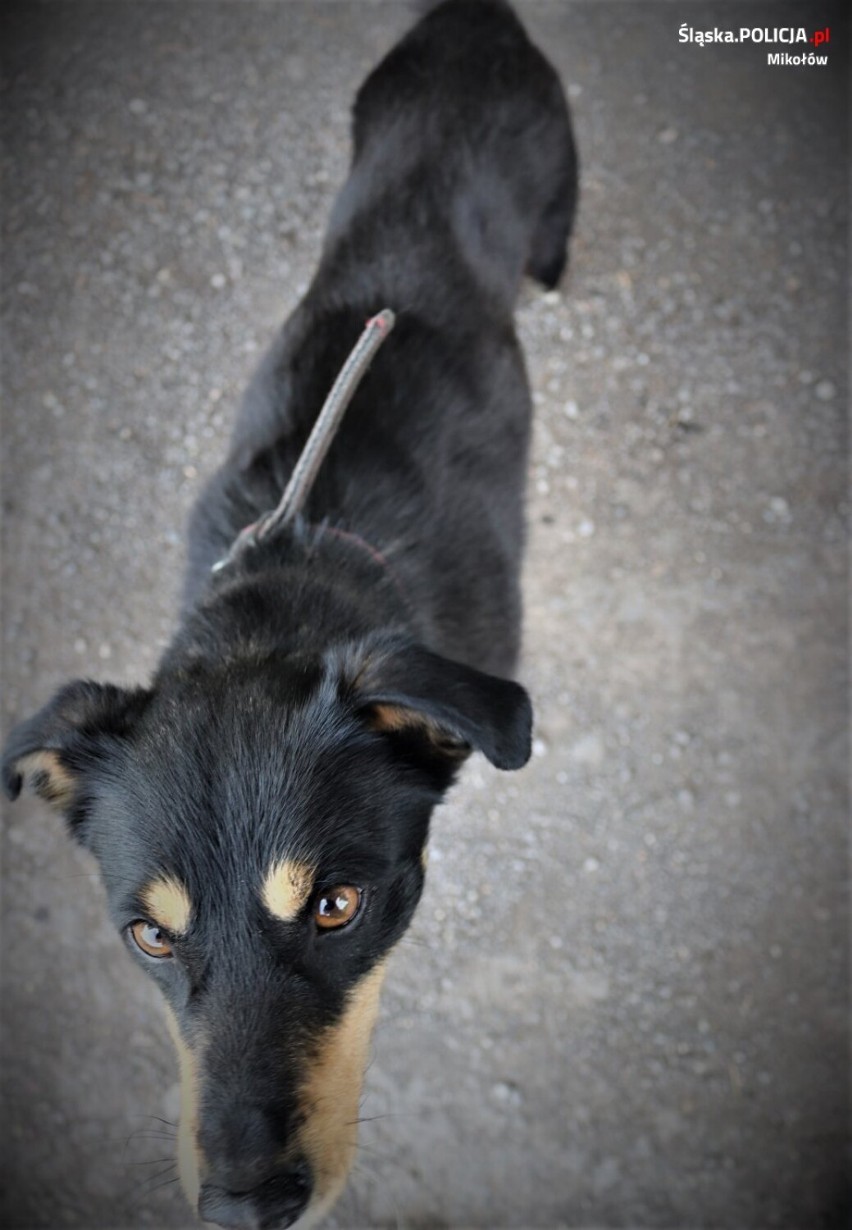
x=330, y=1099
x=332, y=1091
x=189, y=1157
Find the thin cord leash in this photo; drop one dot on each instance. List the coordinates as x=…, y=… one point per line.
x=319, y=441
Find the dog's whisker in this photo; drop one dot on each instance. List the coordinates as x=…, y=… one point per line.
x=165, y=1183
x=159, y=1186
x=417, y=941
x=159, y=1119
x=136, y=1140
x=152, y=1182
x=166, y=1132
x=363, y=1168
x=162, y=1138
x=154, y=1161
x=390, y=1114
x=380, y=1156
x=367, y=1166
x=152, y=1133
x=169, y=1164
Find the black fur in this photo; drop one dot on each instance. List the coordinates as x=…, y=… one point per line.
x=316, y=701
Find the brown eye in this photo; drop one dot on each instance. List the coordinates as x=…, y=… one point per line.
x=337, y=906
x=150, y=939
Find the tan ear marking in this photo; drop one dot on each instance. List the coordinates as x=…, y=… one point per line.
x=393, y=717
x=47, y=776
x=168, y=904
x=390, y=719
x=286, y=888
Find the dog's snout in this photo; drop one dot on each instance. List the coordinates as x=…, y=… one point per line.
x=272, y=1205
x=243, y=1145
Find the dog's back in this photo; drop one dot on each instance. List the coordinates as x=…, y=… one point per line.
x=463, y=177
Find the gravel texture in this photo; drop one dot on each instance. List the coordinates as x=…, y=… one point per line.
x=624, y=999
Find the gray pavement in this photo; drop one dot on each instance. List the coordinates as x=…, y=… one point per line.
x=624, y=1001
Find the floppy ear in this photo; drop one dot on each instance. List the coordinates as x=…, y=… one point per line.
x=403, y=687
x=51, y=750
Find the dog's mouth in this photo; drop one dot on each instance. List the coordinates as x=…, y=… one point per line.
x=274, y=1205
x=296, y=1180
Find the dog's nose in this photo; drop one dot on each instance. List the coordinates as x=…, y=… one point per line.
x=272, y=1205
x=242, y=1145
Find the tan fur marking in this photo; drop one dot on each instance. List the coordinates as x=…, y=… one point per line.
x=393, y=718
x=332, y=1091
x=287, y=887
x=189, y=1156
x=47, y=776
x=168, y=903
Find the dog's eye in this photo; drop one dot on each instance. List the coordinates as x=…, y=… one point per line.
x=335, y=907
x=150, y=939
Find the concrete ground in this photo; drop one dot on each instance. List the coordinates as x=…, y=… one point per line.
x=624, y=1001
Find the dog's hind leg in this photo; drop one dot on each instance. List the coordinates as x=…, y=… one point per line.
x=549, y=248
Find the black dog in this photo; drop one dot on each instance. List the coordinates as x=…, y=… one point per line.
x=260, y=813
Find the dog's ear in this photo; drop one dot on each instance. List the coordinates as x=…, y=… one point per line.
x=403, y=688
x=52, y=750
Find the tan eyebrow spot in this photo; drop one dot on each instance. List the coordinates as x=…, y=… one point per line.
x=168, y=904
x=287, y=887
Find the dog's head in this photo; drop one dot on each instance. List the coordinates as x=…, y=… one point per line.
x=260, y=827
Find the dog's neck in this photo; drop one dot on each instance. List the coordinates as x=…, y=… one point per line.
x=302, y=598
